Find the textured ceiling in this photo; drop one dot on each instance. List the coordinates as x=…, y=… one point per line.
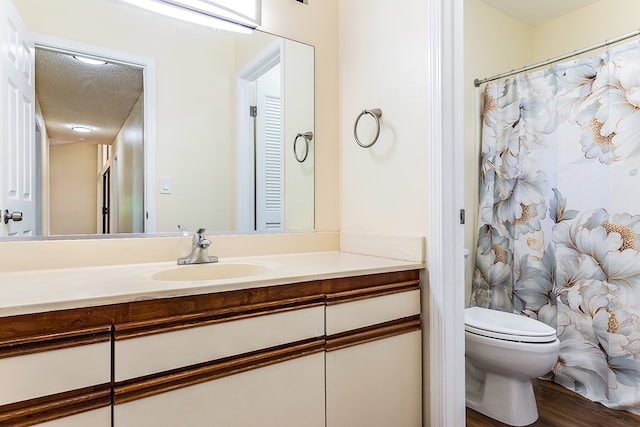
x=72, y=92
x=536, y=12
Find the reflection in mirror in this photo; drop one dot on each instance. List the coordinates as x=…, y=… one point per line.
x=93, y=113
x=217, y=115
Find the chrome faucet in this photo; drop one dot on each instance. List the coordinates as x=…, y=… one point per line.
x=199, y=250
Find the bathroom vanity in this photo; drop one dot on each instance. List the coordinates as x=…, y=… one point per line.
x=303, y=339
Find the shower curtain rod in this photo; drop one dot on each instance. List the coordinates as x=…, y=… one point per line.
x=478, y=82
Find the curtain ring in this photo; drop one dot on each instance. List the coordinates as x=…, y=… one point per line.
x=308, y=136
x=376, y=113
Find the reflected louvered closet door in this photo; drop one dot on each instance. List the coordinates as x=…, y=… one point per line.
x=269, y=153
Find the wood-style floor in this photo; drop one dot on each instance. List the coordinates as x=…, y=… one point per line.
x=559, y=407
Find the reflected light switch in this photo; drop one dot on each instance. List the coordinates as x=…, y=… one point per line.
x=165, y=185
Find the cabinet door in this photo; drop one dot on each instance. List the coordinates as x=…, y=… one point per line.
x=289, y=393
x=200, y=344
x=376, y=384
x=366, y=312
x=51, y=386
x=34, y=375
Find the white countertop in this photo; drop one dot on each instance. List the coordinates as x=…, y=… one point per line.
x=45, y=290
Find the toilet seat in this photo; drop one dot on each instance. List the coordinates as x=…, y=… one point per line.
x=507, y=326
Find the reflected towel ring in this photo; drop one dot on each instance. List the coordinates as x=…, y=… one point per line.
x=376, y=113
x=308, y=136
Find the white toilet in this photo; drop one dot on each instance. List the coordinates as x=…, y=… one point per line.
x=504, y=352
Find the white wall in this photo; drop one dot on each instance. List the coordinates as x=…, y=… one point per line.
x=195, y=143
x=298, y=103
x=250, y=46
x=593, y=24
x=128, y=149
x=72, y=181
x=44, y=172
x=383, y=64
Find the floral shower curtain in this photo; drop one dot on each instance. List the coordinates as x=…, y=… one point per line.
x=559, y=219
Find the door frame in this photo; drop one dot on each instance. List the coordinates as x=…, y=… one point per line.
x=245, y=171
x=38, y=190
x=148, y=66
x=443, y=351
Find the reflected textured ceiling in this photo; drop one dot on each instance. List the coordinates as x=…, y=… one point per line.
x=72, y=92
x=536, y=12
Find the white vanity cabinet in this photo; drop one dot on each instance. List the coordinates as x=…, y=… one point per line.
x=55, y=370
x=328, y=352
x=339, y=352
x=243, y=358
x=373, y=359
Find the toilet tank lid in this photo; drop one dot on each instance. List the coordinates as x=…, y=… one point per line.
x=506, y=323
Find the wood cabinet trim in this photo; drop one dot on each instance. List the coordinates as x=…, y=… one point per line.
x=49, y=408
x=192, y=320
x=140, y=388
x=150, y=311
x=53, y=325
x=344, y=284
x=39, y=344
x=372, y=292
x=373, y=333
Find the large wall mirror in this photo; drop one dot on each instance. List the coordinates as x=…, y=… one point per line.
x=190, y=126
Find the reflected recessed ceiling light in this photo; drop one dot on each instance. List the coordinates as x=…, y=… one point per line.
x=81, y=129
x=90, y=61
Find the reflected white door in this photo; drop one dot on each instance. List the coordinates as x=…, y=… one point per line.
x=269, y=152
x=17, y=125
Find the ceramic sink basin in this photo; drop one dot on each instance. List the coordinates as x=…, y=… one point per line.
x=214, y=271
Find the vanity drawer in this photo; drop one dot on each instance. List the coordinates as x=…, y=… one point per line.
x=41, y=373
x=163, y=351
x=363, y=312
x=95, y=418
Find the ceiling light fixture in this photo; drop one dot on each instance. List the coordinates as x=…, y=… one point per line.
x=240, y=16
x=81, y=129
x=90, y=61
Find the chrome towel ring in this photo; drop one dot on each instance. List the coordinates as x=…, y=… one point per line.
x=308, y=136
x=376, y=113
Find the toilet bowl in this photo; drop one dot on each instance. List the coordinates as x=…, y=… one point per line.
x=503, y=353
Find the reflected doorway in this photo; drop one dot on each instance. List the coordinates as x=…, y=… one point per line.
x=91, y=98
x=106, y=201
x=260, y=143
